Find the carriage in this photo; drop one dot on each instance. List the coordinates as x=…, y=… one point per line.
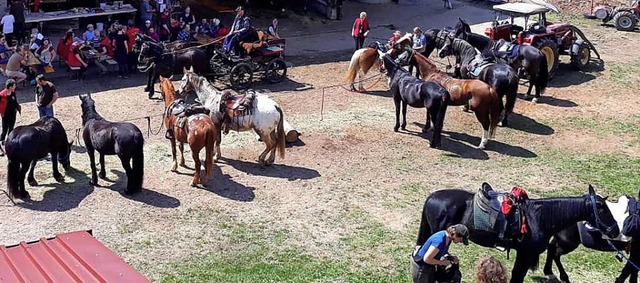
x=264, y=56
x=553, y=39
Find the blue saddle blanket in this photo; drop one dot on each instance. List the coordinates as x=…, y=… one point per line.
x=508, y=51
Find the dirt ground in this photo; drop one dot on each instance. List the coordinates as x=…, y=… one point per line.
x=348, y=158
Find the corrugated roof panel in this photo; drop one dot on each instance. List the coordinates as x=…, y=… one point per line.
x=70, y=257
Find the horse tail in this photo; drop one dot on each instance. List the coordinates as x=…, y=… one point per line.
x=209, y=144
x=138, y=166
x=354, y=66
x=13, y=178
x=425, y=229
x=446, y=99
x=543, y=75
x=495, y=114
x=280, y=140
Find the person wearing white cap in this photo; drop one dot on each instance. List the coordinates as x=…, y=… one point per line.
x=146, y=11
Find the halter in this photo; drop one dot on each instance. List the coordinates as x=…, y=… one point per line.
x=599, y=222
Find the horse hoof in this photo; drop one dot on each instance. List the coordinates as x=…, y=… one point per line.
x=93, y=182
x=146, y=89
x=534, y=100
x=33, y=183
x=194, y=184
x=425, y=130
x=395, y=129
x=60, y=179
x=433, y=145
x=404, y=128
x=102, y=175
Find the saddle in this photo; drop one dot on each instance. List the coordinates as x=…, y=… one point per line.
x=235, y=106
x=506, y=50
x=477, y=65
x=182, y=111
x=500, y=213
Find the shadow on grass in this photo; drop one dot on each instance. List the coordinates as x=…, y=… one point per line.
x=65, y=196
x=282, y=171
x=145, y=196
x=224, y=186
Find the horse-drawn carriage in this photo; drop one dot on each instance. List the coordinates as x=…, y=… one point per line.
x=258, y=53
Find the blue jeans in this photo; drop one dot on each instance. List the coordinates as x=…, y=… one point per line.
x=230, y=42
x=44, y=111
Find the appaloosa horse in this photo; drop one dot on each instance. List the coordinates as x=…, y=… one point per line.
x=525, y=58
x=184, y=125
x=27, y=144
x=408, y=90
x=157, y=61
x=501, y=77
x=253, y=111
x=544, y=218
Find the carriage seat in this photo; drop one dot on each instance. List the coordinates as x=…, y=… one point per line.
x=234, y=106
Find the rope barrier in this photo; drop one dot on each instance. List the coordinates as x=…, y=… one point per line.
x=378, y=77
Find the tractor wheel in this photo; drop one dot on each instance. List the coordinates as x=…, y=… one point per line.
x=550, y=51
x=276, y=70
x=241, y=76
x=580, y=55
x=625, y=21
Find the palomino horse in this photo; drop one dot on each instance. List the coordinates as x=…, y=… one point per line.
x=112, y=138
x=544, y=218
x=262, y=114
x=361, y=62
x=528, y=59
x=408, y=90
x=501, y=77
x=477, y=95
x=198, y=130
x=27, y=144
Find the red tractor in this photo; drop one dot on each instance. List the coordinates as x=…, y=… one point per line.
x=552, y=39
x=624, y=18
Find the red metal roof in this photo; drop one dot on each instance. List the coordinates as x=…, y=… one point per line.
x=69, y=257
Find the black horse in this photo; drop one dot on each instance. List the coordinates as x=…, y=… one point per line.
x=527, y=59
x=569, y=239
x=108, y=138
x=417, y=93
x=544, y=217
x=25, y=145
x=501, y=77
x=157, y=61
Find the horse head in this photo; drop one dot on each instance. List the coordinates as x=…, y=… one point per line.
x=188, y=81
x=88, y=106
x=447, y=48
x=167, y=88
x=462, y=29
x=147, y=54
x=388, y=65
x=600, y=216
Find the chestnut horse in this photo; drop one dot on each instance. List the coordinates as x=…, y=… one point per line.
x=475, y=95
x=198, y=130
x=361, y=62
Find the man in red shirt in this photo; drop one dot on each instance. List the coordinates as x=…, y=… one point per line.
x=131, y=34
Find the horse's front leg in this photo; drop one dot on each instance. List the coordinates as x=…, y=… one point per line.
x=54, y=164
x=173, y=153
x=520, y=267
x=427, y=123
x=149, y=80
x=30, y=179
x=103, y=172
x=181, y=147
x=92, y=161
x=404, y=116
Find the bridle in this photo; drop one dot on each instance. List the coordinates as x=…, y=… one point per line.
x=599, y=223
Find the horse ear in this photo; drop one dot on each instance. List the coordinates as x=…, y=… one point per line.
x=184, y=69
x=486, y=186
x=71, y=143
x=591, y=190
x=171, y=77
x=191, y=69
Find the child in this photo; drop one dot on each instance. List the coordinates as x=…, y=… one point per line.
x=491, y=270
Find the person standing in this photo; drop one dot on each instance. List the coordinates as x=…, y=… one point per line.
x=425, y=259
x=121, y=50
x=7, y=23
x=146, y=11
x=360, y=30
x=17, y=10
x=46, y=96
x=8, y=107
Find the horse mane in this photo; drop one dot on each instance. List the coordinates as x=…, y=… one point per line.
x=550, y=208
x=89, y=110
x=465, y=50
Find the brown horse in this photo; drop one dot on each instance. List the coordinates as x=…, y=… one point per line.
x=361, y=62
x=197, y=129
x=477, y=95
